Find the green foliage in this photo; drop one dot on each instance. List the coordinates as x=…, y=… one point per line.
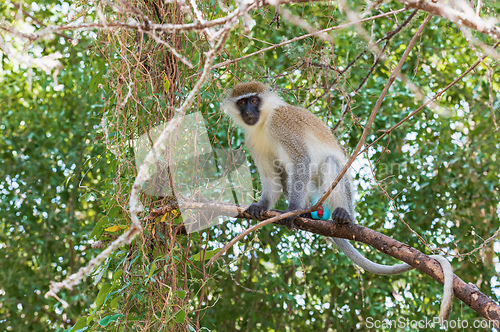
x=51, y=165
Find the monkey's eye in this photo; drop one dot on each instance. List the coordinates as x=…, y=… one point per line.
x=242, y=102
x=254, y=100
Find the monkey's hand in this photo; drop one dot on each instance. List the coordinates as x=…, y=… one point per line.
x=341, y=216
x=257, y=210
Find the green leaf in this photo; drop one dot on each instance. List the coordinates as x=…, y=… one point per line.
x=181, y=294
x=90, y=198
x=101, y=296
x=108, y=319
x=114, y=303
x=152, y=269
x=117, y=275
x=180, y=317
x=80, y=324
x=166, y=84
x=98, y=229
x=94, y=83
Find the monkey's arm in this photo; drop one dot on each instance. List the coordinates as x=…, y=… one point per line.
x=271, y=190
x=298, y=180
x=294, y=154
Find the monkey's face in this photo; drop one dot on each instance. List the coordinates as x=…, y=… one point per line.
x=249, y=109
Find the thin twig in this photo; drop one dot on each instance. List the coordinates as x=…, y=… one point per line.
x=436, y=96
x=441, y=9
x=293, y=40
x=373, y=114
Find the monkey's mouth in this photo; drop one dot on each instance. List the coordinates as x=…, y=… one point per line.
x=250, y=120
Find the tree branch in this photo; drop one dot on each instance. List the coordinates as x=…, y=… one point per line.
x=319, y=32
x=468, y=19
x=467, y=293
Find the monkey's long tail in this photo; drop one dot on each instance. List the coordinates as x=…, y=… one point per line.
x=381, y=269
x=447, y=301
x=367, y=264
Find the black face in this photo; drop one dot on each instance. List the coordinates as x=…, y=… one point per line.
x=249, y=109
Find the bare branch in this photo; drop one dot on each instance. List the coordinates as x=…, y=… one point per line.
x=368, y=125
x=319, y=32
x=486, y=26
x=146, y=26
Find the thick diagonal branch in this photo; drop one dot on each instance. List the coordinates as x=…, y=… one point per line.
x=467, y=293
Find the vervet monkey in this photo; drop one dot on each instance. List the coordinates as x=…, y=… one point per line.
x=295, y=152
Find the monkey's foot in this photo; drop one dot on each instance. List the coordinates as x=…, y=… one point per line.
x=341, y=216
x=256, y=211
x=288, y=222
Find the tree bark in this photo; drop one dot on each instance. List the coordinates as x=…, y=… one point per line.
x=467, y=293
